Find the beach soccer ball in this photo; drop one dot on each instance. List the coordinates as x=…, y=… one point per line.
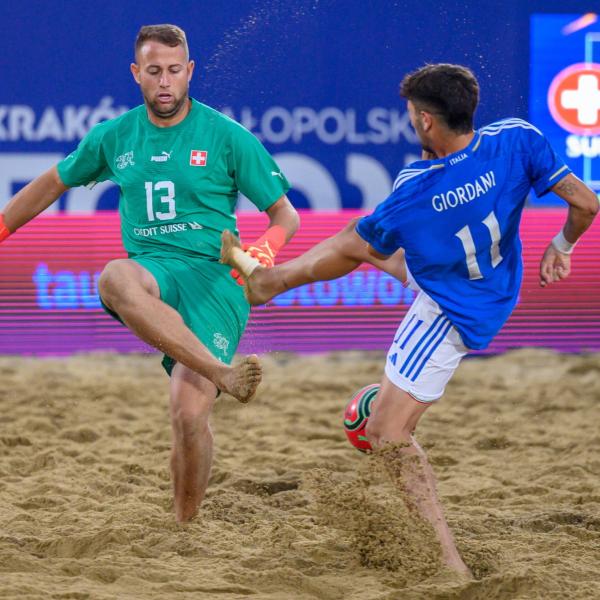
x=357, y=414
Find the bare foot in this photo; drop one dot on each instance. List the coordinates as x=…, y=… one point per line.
x=250, y=269
x=242, y=380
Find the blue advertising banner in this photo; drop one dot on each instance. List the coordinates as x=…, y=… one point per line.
x=565, y=89
x=315, y=80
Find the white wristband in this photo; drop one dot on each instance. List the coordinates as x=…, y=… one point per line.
x=560, y=243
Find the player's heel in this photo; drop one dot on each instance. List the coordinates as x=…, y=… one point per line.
x=233, y=255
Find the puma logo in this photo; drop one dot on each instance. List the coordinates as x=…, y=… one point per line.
x=164, y=157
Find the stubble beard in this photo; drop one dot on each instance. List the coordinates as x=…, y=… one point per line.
x=161, y=113
x=424, y=141
x=422, y=137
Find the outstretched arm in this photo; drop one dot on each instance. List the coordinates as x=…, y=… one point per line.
x=283, y=224
x=30, y=201
x=583, y=207
x=283, y=214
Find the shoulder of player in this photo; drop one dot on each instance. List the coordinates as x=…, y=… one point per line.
x=415, y=173
x=123, y=122
x=511, y=135
x=221, y=120
x=512, y=126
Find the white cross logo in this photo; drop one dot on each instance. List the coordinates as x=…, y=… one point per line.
x=585, y=99
x=198, y=158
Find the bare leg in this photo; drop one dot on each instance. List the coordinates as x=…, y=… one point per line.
x=132, y=292
x=192, y=399
x=394, y=418
x=332, y=258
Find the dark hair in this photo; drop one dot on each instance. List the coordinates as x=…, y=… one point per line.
x=169, y=35
x=450, y=91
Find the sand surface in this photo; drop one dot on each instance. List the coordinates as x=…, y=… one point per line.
x=293, y=511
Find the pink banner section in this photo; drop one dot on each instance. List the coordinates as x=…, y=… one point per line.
x=49, y=303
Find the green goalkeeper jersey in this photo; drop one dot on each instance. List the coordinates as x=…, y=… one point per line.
x=179, y=185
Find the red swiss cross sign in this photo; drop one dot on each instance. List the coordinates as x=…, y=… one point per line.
x=198, y=158
x=574, y=99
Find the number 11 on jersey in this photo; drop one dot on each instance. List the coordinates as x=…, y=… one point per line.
x=465, y=236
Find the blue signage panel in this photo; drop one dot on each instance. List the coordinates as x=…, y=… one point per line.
x=315, y=80
x=565, y=89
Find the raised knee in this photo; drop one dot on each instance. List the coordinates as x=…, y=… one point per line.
x=111, y=280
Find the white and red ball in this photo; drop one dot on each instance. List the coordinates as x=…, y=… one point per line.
x=357, y=414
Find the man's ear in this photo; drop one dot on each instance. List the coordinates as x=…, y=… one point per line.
x=135, y=71
x=426, y=120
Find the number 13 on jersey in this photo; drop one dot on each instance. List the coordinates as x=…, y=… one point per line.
x=465, y=236
x=168, y=198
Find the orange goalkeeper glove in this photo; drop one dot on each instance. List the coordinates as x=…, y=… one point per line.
x=4, y=230
x=264, y=249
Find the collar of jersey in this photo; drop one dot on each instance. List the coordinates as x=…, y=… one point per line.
x=473, y=145
x=194, y=110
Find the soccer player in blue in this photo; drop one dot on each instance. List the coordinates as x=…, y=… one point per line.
x=455, y=215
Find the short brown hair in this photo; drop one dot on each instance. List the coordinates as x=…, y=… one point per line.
x=169, y=35
x=450, y=91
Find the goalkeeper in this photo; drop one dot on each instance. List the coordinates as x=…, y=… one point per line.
x=179, y=165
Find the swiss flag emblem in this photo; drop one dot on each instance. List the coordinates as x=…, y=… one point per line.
x=574, y=99
x=198, y=158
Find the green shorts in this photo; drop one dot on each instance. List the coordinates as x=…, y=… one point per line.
x=208, y=299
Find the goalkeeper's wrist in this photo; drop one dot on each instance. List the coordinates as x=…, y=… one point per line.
x=275, y=237
x=4, y=230
x=561, y=244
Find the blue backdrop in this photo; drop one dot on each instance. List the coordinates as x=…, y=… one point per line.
x=317, y=81
x=561, y=47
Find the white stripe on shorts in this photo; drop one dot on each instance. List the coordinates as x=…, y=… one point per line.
x=425, y=352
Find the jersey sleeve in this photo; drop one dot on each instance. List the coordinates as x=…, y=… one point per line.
x=381, y=229
x=544, y=167
x=87, y=163
x=255, y=172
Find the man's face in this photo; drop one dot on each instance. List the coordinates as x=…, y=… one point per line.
x=163, y=74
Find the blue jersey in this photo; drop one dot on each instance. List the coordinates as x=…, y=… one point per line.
x=458, y=217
